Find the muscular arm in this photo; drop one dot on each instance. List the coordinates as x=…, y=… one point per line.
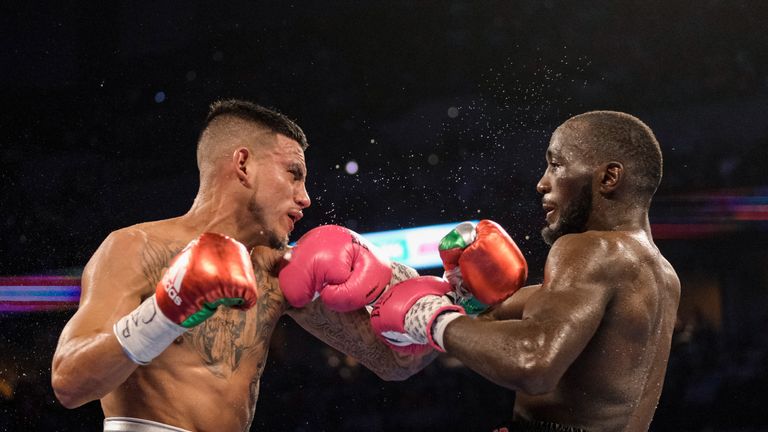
x=558, y=320
x=351, y=333
x=512, y=307
x=89, y=362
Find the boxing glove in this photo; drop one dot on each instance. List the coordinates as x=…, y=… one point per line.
x=413, y=314
x=483, y=264
x=211, y=271
x=336, y=264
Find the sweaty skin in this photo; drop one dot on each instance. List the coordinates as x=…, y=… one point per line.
x=588, y=348
x=219, y=363
x=216, y=364
x=208, y=379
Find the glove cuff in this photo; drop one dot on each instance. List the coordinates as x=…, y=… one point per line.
x=461, y=295
x=422, y=315
x=438, y=328
x=146, y=332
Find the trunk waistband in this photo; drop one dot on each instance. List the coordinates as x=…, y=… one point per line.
x=130, y=424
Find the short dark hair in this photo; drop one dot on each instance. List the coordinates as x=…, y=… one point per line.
x=623, y=137
x=251, y=112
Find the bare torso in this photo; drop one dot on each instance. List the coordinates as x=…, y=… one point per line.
x=615, y=382
x=208, y=379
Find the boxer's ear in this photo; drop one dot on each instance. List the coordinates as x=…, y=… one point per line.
x=240, y=159
x=611, y=175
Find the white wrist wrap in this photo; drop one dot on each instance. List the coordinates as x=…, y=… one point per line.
x=146, y=332
x=438, y=328
x=421, y=314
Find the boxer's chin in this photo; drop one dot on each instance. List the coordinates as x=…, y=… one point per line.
x=277, y=241
x=572, y=220
x=549, y=235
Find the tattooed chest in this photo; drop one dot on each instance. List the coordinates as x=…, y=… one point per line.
x=230, y=336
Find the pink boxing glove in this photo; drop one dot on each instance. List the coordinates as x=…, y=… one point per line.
x=336, y=264
x=412, y=315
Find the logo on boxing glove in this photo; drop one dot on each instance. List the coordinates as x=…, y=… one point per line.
x=172, y=284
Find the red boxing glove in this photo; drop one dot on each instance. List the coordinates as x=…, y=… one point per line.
x=212, y=270
x=331, y=261
x=491, y=265
x=406, y=316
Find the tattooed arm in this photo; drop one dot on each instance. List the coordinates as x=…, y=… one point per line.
x=351, y=333
x=89, y=362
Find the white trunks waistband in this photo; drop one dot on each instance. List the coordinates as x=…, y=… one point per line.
x=130, y=424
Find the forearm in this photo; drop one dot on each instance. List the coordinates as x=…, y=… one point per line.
x=407, y=365
x=87, y=368
x=351, y=333
x=386, y=363
x=509, y=353
x=331, y=295
x=401, y=365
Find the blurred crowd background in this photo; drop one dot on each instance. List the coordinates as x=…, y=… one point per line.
x=446, y=109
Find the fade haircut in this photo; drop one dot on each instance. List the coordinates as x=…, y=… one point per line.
x=228, y=121
x=251, y=112
x=612, y=135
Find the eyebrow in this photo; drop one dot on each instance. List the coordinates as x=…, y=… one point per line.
x=295, y=166
x=557, y=154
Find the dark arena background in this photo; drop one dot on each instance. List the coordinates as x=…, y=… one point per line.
x=417, y=113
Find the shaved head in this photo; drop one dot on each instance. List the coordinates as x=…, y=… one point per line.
x=225, y=134
x=606, y=136
x=231, y=124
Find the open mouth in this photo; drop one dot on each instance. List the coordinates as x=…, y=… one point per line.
x=295, y=216
x=549, y=208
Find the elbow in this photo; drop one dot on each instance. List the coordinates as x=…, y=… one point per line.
x=529, y=381
x=394, y=374
x=538, y=366
x=404, y=365
x=537, y=378
x=66, y=401
x=536, y=386
x=66, y=392
x=392, y=377
x=65, y=397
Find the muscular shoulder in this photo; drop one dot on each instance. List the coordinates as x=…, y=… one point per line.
x=131, y=243
x=595, y=262
x=136, y=255
x=121, y=245
x=597, y=251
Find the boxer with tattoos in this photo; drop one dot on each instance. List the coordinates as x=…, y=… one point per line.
x=175, y=316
